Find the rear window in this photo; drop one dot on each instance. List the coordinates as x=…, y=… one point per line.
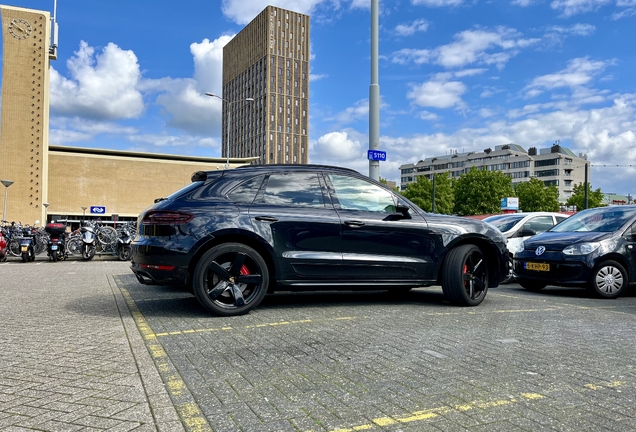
x=184, y=190
x=504, y=223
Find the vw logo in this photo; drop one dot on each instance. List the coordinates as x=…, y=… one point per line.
x=540, y=250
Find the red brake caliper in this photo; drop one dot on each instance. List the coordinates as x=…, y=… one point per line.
x=244, y=270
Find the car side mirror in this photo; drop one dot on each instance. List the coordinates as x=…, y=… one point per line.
x=403, y=209
x=527, y=232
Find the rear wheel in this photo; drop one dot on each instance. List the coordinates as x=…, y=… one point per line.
x=88, y=252
x=465, y=276
x=54, y=255
x=230, y=279
x=609, y=280
x=532, y=285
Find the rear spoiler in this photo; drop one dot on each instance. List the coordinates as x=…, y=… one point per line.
x=199, y=176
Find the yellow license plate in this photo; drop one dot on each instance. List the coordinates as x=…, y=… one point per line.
x=25, y=248
x=538, y=266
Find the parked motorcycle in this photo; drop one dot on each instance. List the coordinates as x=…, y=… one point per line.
x=27, y=245
x=123, y=243
x=56, y=248
x=88, y=240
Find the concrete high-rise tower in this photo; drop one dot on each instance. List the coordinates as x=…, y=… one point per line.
x=25, y=111
x=268, y=61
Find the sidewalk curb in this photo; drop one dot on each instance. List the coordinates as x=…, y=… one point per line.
x=163, y=410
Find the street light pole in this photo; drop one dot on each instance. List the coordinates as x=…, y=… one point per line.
x=46, y=210
x=229, y=121
x=6, y=184
x=84, y=212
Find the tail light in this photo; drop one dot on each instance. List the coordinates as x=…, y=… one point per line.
x=166, y=218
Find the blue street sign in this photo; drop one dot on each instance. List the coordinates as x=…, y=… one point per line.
x=98, y=209
x=376, y=155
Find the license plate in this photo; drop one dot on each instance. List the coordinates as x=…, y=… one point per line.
x=537, y=266
x=25, y=248
x=53, y=247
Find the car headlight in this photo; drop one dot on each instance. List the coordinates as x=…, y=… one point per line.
x=582, y=248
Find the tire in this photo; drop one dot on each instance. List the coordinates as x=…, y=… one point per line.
x=74, y=246
x=54, y=256
x=107, y=235
x=14, y=247
x=532, y=285
x=124, y=253
x=465, y=276
x=510, y=276
x=609, y=280
x=230, y=279
x=88, y=252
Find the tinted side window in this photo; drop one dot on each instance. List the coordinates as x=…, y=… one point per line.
x=356, y=194
x=246, y=191
x=539, y=224
x=297, y=189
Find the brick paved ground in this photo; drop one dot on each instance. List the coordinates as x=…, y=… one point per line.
x=93, y=348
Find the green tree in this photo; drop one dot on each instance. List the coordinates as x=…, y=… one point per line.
x=534, y=195
x=480, y=192
x=421, y=193
x=594, y=198
x=386, y=182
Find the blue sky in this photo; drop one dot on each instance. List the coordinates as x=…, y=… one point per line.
x=454, y=75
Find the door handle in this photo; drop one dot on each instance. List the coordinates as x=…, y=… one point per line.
x=354, y=223
x=266, y=218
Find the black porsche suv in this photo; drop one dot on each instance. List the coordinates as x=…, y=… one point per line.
x=232, y=236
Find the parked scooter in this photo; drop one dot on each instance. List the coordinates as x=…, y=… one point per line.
x=27, y=247
x=56, y=248
x=4, y=246
x=88, y=240
x=123, y=243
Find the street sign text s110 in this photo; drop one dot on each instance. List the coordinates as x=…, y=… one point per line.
x=377, y=155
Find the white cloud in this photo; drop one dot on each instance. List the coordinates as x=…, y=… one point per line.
x=408, y=29
x=359, y=110
x=437, y=93
x=579, y=29
x=184, y=99
x=470, y=47
x=522, y=3
x=574, y=7
x=580, y=71
x=242, y=12
x=407, y=55
x=100, y=86
x=316, y=77
x=429, y=116
x=337, y=146
x=624, y=14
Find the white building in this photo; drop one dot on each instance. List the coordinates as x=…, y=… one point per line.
x=554, y=165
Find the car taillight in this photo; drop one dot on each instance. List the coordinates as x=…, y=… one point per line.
x=166, y=218
x=156, y=267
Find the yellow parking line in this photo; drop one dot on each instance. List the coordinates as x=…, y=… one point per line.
x=436, y=412
x=192, y=417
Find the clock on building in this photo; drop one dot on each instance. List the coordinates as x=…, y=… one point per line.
x=20, y=28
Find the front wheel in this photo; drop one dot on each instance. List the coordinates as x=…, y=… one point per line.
x=230, y=279
x=88, y=252
x=609, y=280
x=54, y=255
x=532, y=285
x=465, y=276
x=124, y=253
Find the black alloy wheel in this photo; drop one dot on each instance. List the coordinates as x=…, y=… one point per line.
x=465, y=276
x=230, y=279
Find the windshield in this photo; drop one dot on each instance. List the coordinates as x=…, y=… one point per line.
x=504, y=222
x=602, y=219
